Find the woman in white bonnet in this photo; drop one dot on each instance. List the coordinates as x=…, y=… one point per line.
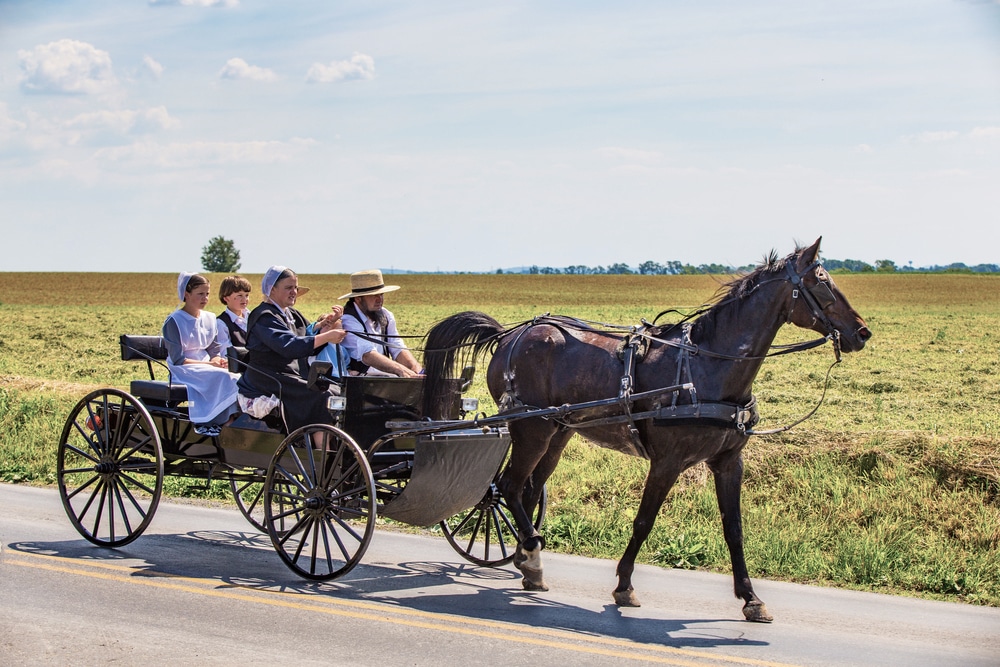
x=194, y=357
x=279, y=346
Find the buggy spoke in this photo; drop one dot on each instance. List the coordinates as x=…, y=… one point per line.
x=329, y=492
x=118, y=488
x=110, y=473
x=137, y=483
x=487, y=535
x=82, y=487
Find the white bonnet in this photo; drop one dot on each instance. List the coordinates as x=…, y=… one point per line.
x=182, y=282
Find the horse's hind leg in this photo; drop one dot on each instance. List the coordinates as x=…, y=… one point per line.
x=534, y=456
x=659, y=481
x=728, y=473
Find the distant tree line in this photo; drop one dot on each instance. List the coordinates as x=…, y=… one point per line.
x=647, y=268
x=675, y=268
x=889, y=266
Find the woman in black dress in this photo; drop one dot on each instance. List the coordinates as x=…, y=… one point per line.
x=278, y=351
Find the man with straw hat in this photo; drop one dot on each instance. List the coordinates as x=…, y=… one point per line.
x=373, y=341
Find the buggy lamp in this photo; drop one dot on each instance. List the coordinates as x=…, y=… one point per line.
x=336, y=403
x=470, y=404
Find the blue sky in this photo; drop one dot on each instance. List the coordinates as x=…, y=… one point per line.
x=335, y=136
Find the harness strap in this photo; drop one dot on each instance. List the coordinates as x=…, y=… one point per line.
x=509, y=399
x=740, y=417
x=630, y=345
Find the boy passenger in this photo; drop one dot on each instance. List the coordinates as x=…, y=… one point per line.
x=234, y=292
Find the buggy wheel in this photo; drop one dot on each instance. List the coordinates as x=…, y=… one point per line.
x=319, y=502
x=110, y=467
x=249, y=497
x=486, y=534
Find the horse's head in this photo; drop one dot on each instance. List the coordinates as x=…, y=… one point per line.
x=818, y=304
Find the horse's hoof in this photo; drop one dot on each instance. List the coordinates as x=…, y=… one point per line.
x=529, y=562
x=626, y=598
x=756, y=612
x=533, y=580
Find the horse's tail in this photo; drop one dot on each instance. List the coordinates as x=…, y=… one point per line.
x=464, y=336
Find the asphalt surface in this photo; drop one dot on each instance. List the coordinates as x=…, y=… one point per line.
x=202, y=587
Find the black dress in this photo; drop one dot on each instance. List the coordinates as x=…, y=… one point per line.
x=277, y=364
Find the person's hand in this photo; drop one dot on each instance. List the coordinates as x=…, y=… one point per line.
x=333, y=335
x=329, y=320
x=323, y=324
x=219, y=362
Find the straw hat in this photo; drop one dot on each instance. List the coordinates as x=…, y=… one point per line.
x=368, y=282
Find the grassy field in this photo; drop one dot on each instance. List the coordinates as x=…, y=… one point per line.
x=893, y=486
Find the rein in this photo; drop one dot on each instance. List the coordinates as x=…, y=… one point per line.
x=788, y=427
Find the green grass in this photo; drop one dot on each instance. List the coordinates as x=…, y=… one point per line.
x=893, y=486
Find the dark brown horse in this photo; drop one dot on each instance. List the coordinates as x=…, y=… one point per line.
x=708, y=364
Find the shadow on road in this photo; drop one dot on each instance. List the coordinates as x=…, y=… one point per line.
x=453, y=588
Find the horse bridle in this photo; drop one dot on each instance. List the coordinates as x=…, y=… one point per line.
x=818, y=298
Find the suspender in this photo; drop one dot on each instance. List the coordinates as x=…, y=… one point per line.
x=356, y=364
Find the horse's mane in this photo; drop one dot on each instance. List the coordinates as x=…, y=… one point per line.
x=733, y=293
x=742, y=285
x=733, y=290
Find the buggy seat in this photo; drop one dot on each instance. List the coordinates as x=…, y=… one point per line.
x=152, y=350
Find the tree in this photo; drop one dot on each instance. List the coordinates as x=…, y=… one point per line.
x=220, y=256
x=619, y=269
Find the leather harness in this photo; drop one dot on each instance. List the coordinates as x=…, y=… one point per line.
x=633, y=348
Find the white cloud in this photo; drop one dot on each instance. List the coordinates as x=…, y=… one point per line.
x=150, y=66
x=125, y=121
x=204, y=153
x=863, y=148
x=196, y=3
x=237, y=68
x=360, y=66
x=7, y=124
x=66, y=66
x=985, y=132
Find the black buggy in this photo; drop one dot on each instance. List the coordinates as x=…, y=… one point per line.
x=317, y=492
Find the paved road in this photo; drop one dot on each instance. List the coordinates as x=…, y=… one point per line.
x=201, y=587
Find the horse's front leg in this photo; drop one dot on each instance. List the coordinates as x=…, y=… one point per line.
x=659, y=481
x=728, y=473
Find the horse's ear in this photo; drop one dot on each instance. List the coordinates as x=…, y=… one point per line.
x=810, y=254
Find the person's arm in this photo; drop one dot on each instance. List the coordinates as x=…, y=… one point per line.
x=406, y=358
x=356, y=347
x=175, y=351
x=328, y=336
x=386, y=365
x=328, y=321
x=323, y=333
x=215, y=349
x=397, y=347
x=172, y=339
x=273, y=332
